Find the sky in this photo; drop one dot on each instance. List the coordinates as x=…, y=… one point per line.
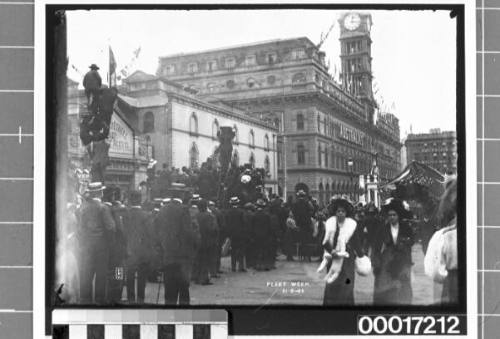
x=414, y=52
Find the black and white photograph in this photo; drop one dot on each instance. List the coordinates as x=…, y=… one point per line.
x=259, y=157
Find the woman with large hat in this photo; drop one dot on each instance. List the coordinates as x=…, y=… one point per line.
x=341, y=247
x=391, y=257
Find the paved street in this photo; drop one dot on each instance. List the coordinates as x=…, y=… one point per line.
x=290, y=283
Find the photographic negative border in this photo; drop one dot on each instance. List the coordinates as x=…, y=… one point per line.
x=268, y=320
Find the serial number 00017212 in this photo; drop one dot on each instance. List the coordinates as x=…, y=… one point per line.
x=413, y=325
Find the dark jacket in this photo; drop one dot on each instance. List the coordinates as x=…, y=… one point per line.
x=208, y=230
x=176, y=232
x=92, y=80
x=262, y=228
x=95, y=219
x=138, y=226
x=236, y=226
x=392, y=266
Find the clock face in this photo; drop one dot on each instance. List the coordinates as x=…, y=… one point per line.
x=352, y=21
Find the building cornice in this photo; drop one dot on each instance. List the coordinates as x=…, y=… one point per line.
x=219, y=110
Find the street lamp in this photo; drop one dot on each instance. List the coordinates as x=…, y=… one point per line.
x=350, y=165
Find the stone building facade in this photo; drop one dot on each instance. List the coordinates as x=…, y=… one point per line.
x=182, y=127
x=437, y=149
x=328, y=133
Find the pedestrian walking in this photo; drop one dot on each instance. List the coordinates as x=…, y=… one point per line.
x=342, y=245
x=179, y=240
x=391, y=259
x=263, y=234
x=209, y=238
x=138, y=225
x=238, y=234
x=95, y=222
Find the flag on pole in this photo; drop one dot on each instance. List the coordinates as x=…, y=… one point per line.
x=112, y=68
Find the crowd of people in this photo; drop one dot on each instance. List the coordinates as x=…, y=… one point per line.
x=181, y=241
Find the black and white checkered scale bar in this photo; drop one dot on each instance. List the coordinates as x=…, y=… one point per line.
x=139, y=324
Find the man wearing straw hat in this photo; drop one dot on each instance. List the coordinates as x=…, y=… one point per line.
x=95, y=223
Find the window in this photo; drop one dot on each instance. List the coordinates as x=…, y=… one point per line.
x=301, y=154
x=267, y=165
x=201, y=331
x=319, y=123
x=193, y=156
x=211, y=87
x=130, y=331
x=251, y=82
x=193, y=67
x=250, y=60
x=170, y=69
x=230, y=84
x=193, y=124
x=148, y=122
x=266, y=142
x=212, y=65
x=325, y=126
x=272, y=58
x=215, y=129
x=271, y=79
x=252, y=160
x=320, y=153
x=299, y=78
x=326, y=158
x=236, y=137
x=300, y=122
x=236, y=158
x=166, y=331
x=298, y=53
x=251, y=138
x=230, y=62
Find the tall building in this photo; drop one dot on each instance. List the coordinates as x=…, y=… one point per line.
x=436, y=149
x=328, y=134
x=182, y=128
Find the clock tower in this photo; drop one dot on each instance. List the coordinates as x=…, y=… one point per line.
x=355, y=56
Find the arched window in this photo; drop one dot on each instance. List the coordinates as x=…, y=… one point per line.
x=148, y=122
x=319, y=155
x=319, y=123
x=301, y=154
x=321, y=194
x=252, y=160
x=267, y=165
x=193, y=156
x=193, y=124
x=236, y=158
x=236, y=136
x=211, y=87
x=215, y=129
x=298, y=78
x=251, y=138
x=300, y=122
x=266, y=142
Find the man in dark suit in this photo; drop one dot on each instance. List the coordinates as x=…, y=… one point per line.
x=238, y=233
x=179, y=240
x=95, y=222
x=138, y=226
x=92, y=83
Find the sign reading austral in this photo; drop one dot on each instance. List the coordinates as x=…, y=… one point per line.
x=351, y=135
